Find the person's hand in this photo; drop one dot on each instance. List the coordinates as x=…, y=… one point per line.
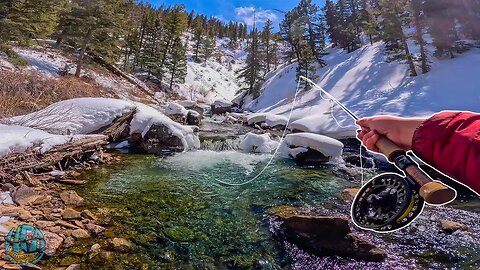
x=399, y=130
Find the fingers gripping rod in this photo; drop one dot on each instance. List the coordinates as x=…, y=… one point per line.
x=433, y=192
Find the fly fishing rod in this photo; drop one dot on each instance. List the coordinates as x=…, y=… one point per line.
x=392, y=201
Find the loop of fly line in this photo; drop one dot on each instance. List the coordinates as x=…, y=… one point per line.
x=276, y=149
x=297, y=91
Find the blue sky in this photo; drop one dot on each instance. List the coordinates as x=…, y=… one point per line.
x=238, y=10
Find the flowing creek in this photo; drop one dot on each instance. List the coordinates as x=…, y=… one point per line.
x=179, y=217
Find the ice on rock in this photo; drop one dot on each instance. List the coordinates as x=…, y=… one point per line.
x=255, y=143
x=329, y=147
x=175, y=109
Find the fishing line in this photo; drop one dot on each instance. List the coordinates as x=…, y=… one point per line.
x=276, y=149
x=297, y=91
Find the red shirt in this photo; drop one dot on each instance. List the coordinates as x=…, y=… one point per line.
x=450, y=142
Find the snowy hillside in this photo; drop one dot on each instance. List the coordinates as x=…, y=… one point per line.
x=369, y=85
x=215, y=78
x=205, y=81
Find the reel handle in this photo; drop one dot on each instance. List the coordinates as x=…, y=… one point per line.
x=433, y=192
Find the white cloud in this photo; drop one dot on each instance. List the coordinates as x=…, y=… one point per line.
x=246, y=15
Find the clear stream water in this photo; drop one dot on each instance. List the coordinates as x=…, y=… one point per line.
x=179, y=217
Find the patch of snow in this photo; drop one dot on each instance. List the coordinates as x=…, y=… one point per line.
x=56, y=173
x=369, y=85
x=323, y=144
x=255, y=143
x=17, y=139
x=86, y=115
x=4, y=219
x=255, y=118
x=273, y=120
x=5, y=198
x=175, y=109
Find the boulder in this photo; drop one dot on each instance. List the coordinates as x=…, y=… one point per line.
x=176, y=112
x=69, y=213
x=327, y=235
x=221, y=107
x=449, y=226
x=71, y=198
x=53, y=242
x=120, y=244
x=88, y=214
x=23, y=195
x=80, y=234
x=8, y=187
x=94, y=229
x=160, y=140
x=194, y=118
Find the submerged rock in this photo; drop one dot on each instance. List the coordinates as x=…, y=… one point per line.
x=449, y=226
x=119, y=244
x=327, y=235
x=349, y=194
x=69, y=213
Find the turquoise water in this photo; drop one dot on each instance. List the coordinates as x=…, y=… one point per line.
x=192, y=219
x=180, y=217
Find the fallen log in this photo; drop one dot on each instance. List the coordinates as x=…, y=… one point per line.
x=75, y=151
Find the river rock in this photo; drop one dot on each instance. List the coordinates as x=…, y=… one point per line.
x=221, y=107
x=80, y=234
x=349, y=194
x=160, y=139
x=94, y=229
x=53, y=242
x=74, y=267
x=283, y=211
x=88, y=214
x=71, y=198
x=327, y=235
x=119, y=244
x=23, y=195
x=42, y=224
x=69, y=213
x=69, y=242
x=193, y=118
x=449, y=226
x=8, y=187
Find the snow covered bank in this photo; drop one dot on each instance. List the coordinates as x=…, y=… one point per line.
x=255, y=143
x=17, y=139
x=370, y=85
x=87, y=115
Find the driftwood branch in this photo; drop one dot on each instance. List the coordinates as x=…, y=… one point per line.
x=79, y=150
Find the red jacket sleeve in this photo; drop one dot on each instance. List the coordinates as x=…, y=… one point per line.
x=450, y=142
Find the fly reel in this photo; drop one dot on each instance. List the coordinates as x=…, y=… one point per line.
x=386, y=203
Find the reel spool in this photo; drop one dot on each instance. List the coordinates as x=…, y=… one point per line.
x=386, y=203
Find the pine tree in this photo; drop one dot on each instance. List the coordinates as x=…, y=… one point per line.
x=306, y=67
x=177, y=63
x=393, y=30
x=416, y=7
x=198, y=37
x=332, y=20
x=265, y=38
x=208, y=46
x=24, y=20
x=95, y=25
x=175, y=24
x=251, y=74
x=441, y=26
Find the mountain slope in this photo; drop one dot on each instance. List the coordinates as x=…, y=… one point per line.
x=369, y=85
